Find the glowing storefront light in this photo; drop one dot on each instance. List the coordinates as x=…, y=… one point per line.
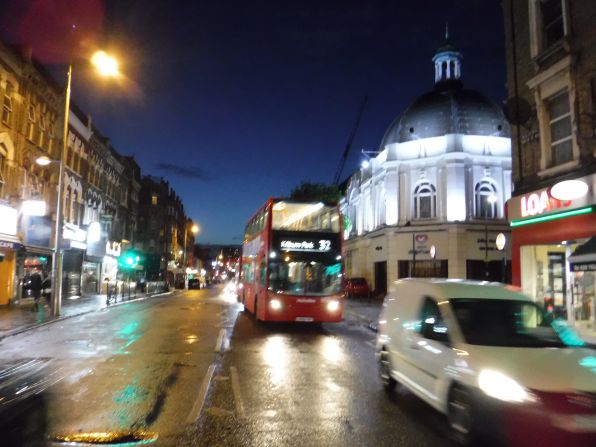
x=93, y=232
x=569, y=190
x=33, y=208
x=8, y=220
x=520, y=222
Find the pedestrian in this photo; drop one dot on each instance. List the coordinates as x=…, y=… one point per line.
x=46, y=288
x=36, y=281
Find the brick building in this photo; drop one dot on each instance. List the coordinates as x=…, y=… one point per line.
x=551, y=79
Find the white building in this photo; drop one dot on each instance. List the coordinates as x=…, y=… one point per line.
x=435, y=192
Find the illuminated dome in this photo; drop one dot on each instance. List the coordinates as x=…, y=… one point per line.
x=449, y=108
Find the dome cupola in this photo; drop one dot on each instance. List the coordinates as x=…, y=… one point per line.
x=449, y=108
x=447, y=60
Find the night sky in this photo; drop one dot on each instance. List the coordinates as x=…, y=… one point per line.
x=237, y=101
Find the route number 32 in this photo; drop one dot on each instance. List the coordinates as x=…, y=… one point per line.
x=324, y=245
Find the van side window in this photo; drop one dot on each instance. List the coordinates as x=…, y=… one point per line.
x=431, y=322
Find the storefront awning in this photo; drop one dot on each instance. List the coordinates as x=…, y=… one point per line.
x=583, y=258
x=10, y=242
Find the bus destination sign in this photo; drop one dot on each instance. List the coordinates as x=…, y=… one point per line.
x=317, y=246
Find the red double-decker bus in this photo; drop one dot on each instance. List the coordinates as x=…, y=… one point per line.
x=291, y=265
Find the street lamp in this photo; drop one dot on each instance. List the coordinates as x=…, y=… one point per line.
x=195, y=229
x=107, y=66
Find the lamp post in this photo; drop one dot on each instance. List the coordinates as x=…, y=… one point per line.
x=195, y=229
x=492, y=199
x=107, y=66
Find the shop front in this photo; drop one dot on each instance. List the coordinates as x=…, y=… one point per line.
x=109, y=267
x=74, y=246
x=92, y=262
x=552, y=229
x=36, y=255
x=8, y=256
x=9, y=244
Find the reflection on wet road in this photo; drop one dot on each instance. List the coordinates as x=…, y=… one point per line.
x=308, y=385
x=193, y=369
x=128, y=372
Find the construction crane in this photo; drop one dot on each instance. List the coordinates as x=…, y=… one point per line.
x=344, y=157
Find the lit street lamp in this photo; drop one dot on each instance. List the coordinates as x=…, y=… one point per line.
x=195, y=229
x=107, y=66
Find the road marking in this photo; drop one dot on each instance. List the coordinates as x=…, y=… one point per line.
x=371, y=344
x=198, y=406
x=219, y=345
x=236, y=391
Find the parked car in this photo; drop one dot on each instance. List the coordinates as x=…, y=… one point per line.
x=357, y=287
x=490, y=359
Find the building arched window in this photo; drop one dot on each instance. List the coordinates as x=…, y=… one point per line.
x=7, y=104
x=2, y=174
x=425, y=201
x=444, y=71
x=486, y=200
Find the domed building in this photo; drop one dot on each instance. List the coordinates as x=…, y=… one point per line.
x=432, y=196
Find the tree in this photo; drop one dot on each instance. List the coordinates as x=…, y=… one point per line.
x=316, y=191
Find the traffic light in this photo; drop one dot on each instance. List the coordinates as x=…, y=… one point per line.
x=131, y=260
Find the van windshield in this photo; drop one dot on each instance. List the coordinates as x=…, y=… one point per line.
x=511, y=323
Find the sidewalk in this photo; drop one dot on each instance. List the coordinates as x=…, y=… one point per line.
x=17, y=318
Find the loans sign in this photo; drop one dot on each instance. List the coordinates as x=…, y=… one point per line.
x=541, y=202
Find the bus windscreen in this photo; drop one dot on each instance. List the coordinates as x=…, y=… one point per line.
x=308, y=217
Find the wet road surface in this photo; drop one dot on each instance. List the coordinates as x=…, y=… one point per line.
x=192, y=369
x=134, y=367
x=304, y=385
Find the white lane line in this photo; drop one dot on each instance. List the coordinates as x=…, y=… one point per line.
x=371, y=344
x=219, y=346
x=198, y=406
x=236, y=391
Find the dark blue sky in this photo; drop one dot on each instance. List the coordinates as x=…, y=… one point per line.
x=256, y=96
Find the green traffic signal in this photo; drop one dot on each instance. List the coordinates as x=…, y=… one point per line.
x=130, y=260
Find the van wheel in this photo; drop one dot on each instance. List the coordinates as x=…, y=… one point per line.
x=388, y=382
x=460, y=416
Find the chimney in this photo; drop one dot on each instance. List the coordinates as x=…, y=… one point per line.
x=89, y=121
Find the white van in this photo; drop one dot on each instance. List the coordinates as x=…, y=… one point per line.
x=489, y=358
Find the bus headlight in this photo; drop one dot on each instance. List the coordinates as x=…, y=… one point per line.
x=333, y=305
x=275, y=304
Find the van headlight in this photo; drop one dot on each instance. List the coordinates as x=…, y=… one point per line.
x=502, y=387
x=275, y=304
x=333, y=305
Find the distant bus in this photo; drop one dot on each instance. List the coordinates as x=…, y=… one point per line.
x=291, y=265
